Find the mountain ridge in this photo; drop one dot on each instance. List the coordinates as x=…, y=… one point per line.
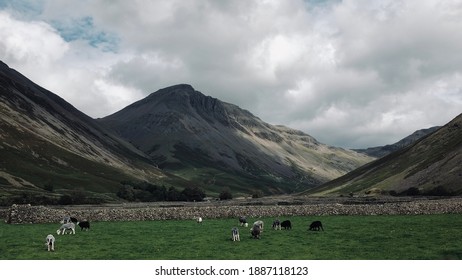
x=381, y=151
x=178, y=120
x=429, y=166
x=49, y=148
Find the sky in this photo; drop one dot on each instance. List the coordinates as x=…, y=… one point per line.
x=352, y=74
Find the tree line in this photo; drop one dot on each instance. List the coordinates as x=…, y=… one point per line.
x=148, y=192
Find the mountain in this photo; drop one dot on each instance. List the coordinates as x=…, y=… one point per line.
x=218, y=144
x=430, y=166
x=48, y=148
x=382, y=151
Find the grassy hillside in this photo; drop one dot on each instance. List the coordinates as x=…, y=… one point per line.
x=429, y=166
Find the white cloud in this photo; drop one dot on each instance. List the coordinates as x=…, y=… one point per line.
x=29, y=42
x=350, y=73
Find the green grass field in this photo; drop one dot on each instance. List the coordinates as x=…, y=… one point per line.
x=344, y=238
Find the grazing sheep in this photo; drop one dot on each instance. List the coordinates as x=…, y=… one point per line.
x=84, y=225
x=235, y=234
x=286, y=224
x=68, y=219
x=199, y=220
x=260, y=224
x=316, y=225
x=277, y=224
x=243, y=221
x=69, y=226
x=256, y=231
x=50, y=242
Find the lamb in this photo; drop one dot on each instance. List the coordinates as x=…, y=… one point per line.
x=199, y=220
x=235, y=234
x=65, y=227
x=277, y=224
x=50, y=242
x=84, y=225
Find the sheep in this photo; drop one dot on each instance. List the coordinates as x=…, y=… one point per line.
x=199, y=220
x=65, y=227
x=68, y=219
x=84, y=225
x=286, y=224
x=235, y=234
x=260, y=224
x=277, y=224
x=316, y=225
x=256, y=231
x=50, y=242
x=243, y=221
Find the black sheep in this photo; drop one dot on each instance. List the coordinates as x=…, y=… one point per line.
x=84, y=225
x=286, y=224
x=316, y=225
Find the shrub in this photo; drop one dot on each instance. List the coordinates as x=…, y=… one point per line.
x=413, y=191
x=225, y=194
x=193, y=194
x=257, y=194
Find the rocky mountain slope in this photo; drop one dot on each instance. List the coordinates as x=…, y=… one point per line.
x=49, y=148
x=382, y=151
x=218, y=144
x=430, y=166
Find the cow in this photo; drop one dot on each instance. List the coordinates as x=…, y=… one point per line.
x=286, y=224
x=316, y=225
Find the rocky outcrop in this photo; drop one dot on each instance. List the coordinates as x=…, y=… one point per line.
x=40, y=214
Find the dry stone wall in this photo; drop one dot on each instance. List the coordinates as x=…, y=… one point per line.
x=18, y=214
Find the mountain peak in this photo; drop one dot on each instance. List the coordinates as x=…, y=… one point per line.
x=179, y=88
x=185, y=100
x=182, y=130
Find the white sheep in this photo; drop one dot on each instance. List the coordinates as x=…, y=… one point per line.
x=199, y=220
x=50, y=242
x=65, y=227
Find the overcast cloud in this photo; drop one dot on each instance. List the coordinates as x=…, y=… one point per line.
x=353, y=74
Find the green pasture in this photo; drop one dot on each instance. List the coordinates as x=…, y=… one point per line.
x=344, y=238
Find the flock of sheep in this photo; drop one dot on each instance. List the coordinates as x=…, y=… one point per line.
x=257, y=227
x=67, y=225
